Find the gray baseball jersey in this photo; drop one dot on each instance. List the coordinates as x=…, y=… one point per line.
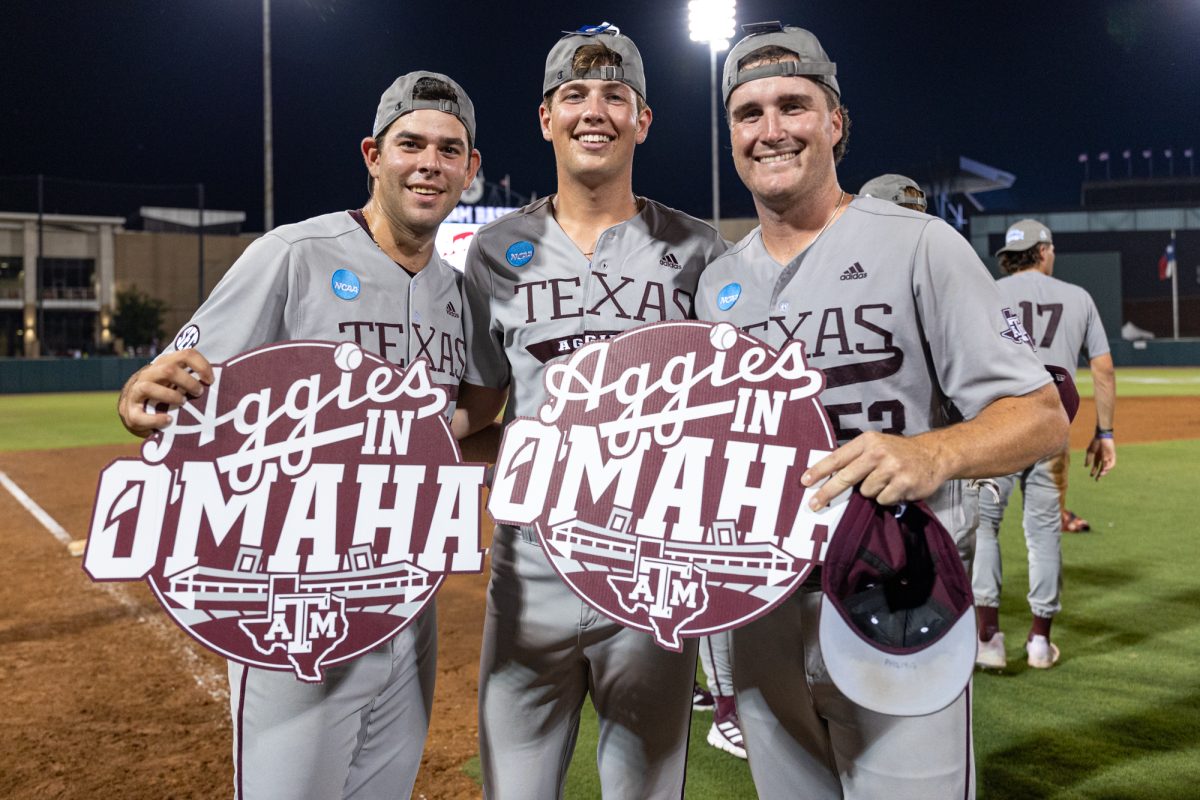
x=1061, y=317
x=898, y=312
x=1063, y=321
x=325, y=278
x=535, y=297
x=362, y=731
x=893, y=306
x=532, y=298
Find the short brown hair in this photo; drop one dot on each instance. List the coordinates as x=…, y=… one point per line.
x=773, y=54
x=1025, y=259
x=587, y=58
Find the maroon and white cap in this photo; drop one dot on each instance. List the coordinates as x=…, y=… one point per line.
x=897, y=627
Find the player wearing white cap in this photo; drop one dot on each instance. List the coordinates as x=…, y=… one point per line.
x=588, y=262
x=371, y=276
x=1063, y=321
x=897, y=311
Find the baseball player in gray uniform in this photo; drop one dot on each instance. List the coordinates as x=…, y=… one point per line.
x=1063, y=322
x=716, y=659
x=588, y=262
x=898, y=312
x=371, y=276
x=962, y=520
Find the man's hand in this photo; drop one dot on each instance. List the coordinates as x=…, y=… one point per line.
x=171, y=379
x=892, y=469
x=1101, y=457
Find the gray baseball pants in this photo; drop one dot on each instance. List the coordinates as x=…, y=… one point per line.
x=1043, y=538
x=545, y=650
x=807, y=740
x=358, y=735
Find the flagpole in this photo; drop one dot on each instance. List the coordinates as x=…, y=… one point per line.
x=1175, y=288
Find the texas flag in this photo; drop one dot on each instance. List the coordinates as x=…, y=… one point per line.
x=1166, y=263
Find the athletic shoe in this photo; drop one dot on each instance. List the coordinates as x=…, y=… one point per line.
x=726, y=734
x=702, y=699
x=990, y=654
x=1043, y=654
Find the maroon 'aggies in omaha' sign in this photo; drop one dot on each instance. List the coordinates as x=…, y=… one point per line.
x=662, y=475
x=300, y=512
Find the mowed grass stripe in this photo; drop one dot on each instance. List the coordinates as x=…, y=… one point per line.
x=1146, y=382
x=1117, y=718
x=55, y=421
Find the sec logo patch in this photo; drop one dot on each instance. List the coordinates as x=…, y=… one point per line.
x=519, y=253
x=728, y=296
x=346, y=284
x=188, y=337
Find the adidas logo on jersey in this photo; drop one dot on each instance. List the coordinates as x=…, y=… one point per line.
x=450, y=310
x=669, y=260
x=854, y=272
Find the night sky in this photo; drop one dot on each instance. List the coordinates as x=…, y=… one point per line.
x=151, y=92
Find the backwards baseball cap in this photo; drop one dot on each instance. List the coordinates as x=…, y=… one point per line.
x=894, y=188
x=560, y=67
x=1023, y=235
x=897, y=626
x=813, y=62
x=400, y=99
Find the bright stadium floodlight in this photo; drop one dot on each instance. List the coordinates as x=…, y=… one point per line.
x=711, y=21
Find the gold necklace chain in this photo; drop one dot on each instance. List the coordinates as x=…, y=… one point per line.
x=829, y=221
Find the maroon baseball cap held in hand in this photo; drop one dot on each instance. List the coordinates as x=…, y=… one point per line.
x=897, y=625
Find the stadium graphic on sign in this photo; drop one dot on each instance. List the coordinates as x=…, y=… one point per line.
x=662, y=475
x=300, y=512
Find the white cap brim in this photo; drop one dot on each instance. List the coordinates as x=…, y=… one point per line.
x=909, y=685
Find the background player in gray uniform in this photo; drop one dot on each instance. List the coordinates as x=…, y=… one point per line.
x=897, y=311
x=1063, y=321
x=588, y=262
x=372, y=277
x=962, y=520
x=898, y=189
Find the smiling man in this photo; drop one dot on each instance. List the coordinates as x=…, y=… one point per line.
x=371, y=276
x=903, y=319
x=588, y=262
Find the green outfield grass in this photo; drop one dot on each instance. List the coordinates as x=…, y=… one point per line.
x=53, y=421
x=1147, y=382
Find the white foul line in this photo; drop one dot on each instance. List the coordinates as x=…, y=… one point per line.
x=56, y=530
x=207, y=677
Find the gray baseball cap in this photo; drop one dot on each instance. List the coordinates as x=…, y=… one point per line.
x=558, y=64
x=1023, y=235
x=398, y=100
x=813, y=63
x=894, y=188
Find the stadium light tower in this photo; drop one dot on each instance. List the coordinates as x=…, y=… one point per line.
x=268, y=148
x=711, y=21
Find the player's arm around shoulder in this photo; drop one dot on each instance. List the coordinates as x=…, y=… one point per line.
x=483, y=391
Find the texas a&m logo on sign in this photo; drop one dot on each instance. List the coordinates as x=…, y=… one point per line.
x=662, y=475
x=301, y=511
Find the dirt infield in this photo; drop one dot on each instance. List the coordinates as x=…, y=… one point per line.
x=105, y=697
